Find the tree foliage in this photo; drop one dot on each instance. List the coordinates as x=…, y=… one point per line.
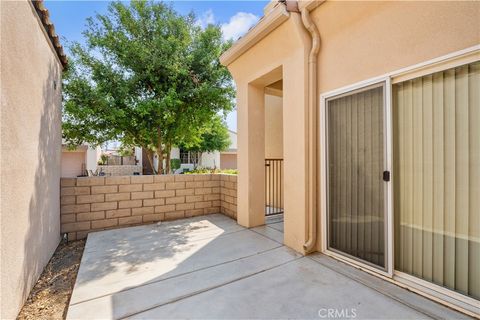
x=147, y=77
x=212, y=136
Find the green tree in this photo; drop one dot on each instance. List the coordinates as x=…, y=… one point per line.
x=147, y=77
x=212, y=136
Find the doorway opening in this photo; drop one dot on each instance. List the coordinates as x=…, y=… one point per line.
x=274, y=195
x=357, y=174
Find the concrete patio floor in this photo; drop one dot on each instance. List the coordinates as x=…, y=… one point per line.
x=210, y=267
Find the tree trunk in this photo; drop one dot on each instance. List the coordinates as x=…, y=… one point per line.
x=168, y=148
x=200, y=162
x=150, y=159
x=160, y=152
x=197, y=159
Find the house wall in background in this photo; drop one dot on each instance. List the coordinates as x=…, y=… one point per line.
x=92, y=157
x=30, y=151
x=73, y=163
x=233, y=139
x=78, y=161
x=210, y=160
x=228, y=161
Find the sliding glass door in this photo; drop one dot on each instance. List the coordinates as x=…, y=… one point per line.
x=437, y=178
x=429, y=234
x=356, y=190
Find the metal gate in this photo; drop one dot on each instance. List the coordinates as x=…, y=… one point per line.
x=273, y=186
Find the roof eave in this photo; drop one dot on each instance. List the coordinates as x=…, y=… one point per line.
x=266, y=25
x=44, y=16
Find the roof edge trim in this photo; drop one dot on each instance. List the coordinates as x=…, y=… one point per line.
x=49, y=28
x=269, y=23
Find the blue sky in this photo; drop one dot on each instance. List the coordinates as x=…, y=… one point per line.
x=234, y=17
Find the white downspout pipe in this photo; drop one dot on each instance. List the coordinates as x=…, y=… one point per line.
x=309, y=245
x=311, y=207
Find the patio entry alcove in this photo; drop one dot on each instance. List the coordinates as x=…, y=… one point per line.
x=271, y=158
x=274, y=149
x=260, y=79
x=265, y=97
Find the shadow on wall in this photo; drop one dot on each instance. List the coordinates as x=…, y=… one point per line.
x=42, y=236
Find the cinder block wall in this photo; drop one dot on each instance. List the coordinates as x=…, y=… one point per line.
x=228, y=195
x=120, y=170
x=97, y=203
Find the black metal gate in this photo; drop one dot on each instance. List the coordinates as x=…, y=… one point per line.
x=273, y=186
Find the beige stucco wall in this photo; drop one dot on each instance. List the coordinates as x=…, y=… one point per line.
x=30, y=153
x=274, y=148
x=273, y=127
x=359, y=40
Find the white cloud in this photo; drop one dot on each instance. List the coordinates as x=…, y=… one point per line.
x=207, y=18
x=238, y=25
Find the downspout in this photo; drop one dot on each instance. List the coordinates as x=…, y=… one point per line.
x=292, y=6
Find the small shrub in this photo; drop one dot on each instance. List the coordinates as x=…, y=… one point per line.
x=208, y=170
x=104, y=159
x=175, y=164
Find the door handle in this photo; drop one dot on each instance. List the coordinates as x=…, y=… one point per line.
x=386, y=176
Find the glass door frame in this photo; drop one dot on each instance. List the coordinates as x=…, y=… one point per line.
x=384, y=82
x=430, y=290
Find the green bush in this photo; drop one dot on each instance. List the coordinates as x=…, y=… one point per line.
x=206, y=171
x=175, y=164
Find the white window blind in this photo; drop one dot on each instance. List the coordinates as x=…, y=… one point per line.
x=437, y=178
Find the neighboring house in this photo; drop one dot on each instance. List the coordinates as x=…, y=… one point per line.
x=79, y=161
x=228, y=158
x=379, y=129
x=30, y=148
x=188, y=160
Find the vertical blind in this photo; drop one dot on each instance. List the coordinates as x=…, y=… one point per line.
x=437, y=178
x=355, y=166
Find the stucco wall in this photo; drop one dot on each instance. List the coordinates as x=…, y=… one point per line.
x=273, y=127
x=30, y=153
x=92, y=157
x=361, y=40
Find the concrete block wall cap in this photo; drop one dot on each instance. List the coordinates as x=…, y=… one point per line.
x=267, y=24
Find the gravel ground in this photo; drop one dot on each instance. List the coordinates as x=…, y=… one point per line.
x=50, y=296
